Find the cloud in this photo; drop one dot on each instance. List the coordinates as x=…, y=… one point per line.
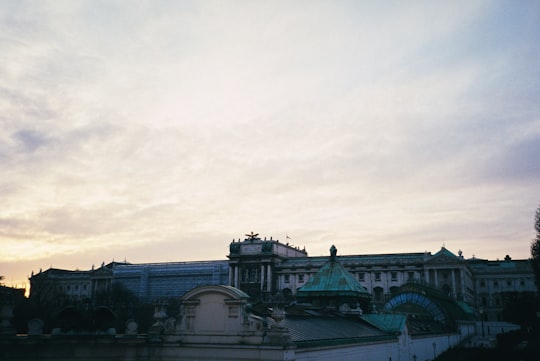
x=167, y=125
x=30, y=140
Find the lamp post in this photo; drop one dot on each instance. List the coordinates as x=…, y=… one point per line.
x=482, y=319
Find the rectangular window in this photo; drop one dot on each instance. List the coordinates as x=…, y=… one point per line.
x=394, y=276
x=361, y=276
x=287, y=279
x=377, y=276
x=410, y=275
x=496, y=283
x=253, y=275
x=301, y=278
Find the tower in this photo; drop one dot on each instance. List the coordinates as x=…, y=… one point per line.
x=252, y=264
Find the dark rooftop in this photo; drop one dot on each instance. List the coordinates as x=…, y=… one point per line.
x=306, y=331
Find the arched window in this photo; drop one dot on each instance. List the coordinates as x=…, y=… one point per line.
x=378, y=294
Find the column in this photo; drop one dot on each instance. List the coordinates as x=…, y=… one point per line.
x=262, y=277
x=269, y=278
x=454, y=283
x=463, y=288
x=436, y=278
x=231, y=271
x=386, y=288
x=236, y=284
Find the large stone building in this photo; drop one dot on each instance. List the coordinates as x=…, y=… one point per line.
x=270, y=270
x=498, y=283
x=262, y=267
x=151, y=281
x=218, y=322
x=147, y=281
x=61, y=286
x=424, y=304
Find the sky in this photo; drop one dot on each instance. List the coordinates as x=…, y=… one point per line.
x=156, y=131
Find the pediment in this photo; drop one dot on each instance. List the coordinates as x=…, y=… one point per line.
x=444, y=259
x=444, y=256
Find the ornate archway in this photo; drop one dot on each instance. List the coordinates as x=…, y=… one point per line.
x=415, y=301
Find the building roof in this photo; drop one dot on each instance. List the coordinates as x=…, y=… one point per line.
x=508, y=266
x=235, y=291
x=232, y=292
x=445, y=252
x=309, y=331
x=363, y=259
x=332, y=279
x=392, y=323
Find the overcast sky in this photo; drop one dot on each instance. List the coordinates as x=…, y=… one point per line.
x=159, y=131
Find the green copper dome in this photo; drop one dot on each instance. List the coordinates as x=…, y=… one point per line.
x=333, y=279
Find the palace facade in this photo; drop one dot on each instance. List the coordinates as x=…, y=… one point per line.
x=260, y=267
x=270, y=271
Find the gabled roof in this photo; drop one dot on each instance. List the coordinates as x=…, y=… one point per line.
x=445, y=256
x=445, y=252
x=333, y=279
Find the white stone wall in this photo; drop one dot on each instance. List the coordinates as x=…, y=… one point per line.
x=429, y=347
x=387, y=351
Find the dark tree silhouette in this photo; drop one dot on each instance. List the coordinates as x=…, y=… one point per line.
x=535, y=249
x=520, y=309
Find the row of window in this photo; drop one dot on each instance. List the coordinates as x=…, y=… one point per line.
x=361, y=277
x=69, y=288
x=287, y=278
x=497, y=284
x=378, y=276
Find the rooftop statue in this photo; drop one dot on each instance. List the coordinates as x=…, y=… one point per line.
x=252, y=237
x=333, y=251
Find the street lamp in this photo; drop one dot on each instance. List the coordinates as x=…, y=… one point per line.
x=482, y=319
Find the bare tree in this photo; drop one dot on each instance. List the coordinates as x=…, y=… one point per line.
x=535, y=249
